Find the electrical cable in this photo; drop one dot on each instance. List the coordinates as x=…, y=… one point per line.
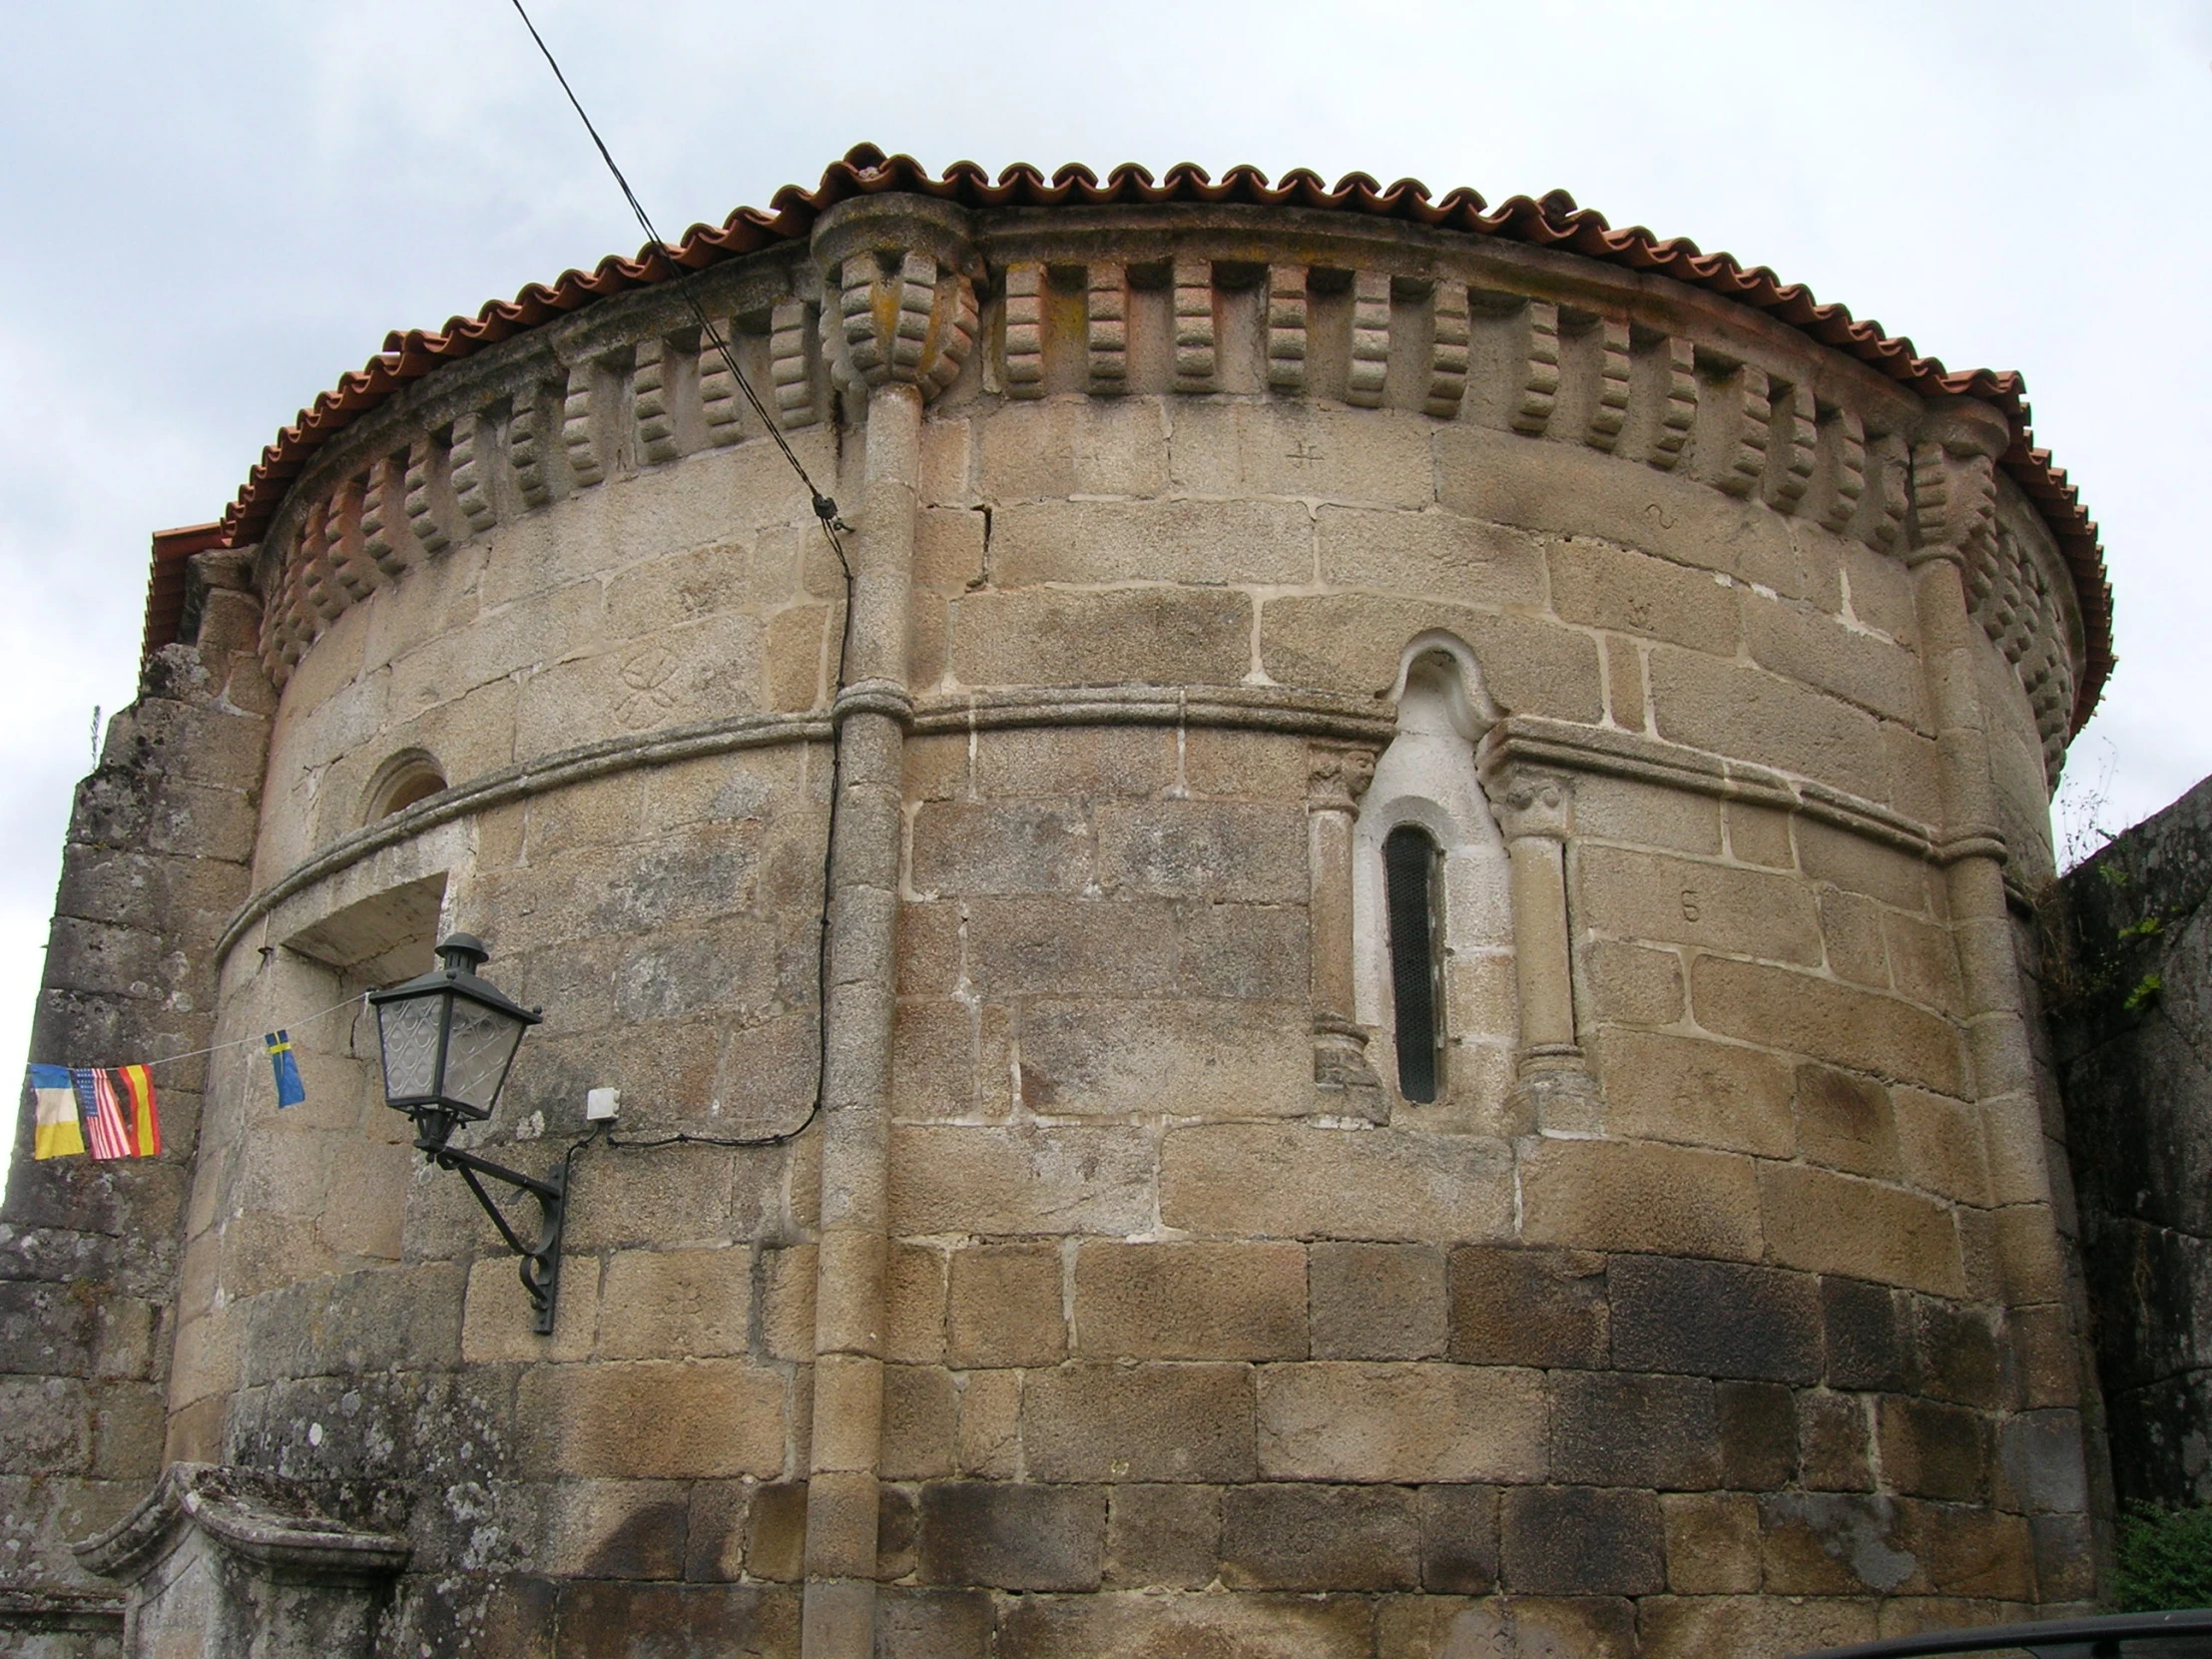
x=826, y=510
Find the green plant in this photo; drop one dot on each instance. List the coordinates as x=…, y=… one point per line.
x=2147, y=990
x=2164, y=1560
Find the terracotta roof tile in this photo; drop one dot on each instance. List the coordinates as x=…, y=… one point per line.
x=1554, y=220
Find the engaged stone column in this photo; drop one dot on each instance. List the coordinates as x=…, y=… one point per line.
x=1554, y=1089
x=897, y=276
x=1335, y=779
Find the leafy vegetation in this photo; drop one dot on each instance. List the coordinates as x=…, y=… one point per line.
x=2165, y=1560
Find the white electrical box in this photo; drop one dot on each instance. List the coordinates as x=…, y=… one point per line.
x=602, y=1105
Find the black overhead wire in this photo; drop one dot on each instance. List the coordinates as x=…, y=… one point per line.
x=826, y=510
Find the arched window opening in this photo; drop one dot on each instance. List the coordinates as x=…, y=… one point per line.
x=401, y=782
x=1412, y=871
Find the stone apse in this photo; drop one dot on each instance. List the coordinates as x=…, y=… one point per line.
x=1360, y=994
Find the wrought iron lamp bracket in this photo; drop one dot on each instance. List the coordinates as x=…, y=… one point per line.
x=541, y=1261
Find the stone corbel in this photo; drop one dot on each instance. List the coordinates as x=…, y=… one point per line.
x=898, y=273
x=227, y=1560
x=1337, y=777
x=1554, y=1089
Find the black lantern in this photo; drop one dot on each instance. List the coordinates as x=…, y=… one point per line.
x=449, y=1038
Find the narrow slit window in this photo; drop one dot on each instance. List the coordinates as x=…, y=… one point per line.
x=1412, y=871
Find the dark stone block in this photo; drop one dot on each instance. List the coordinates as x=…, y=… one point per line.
x=1162, y=1535
x=1959, y=1355
x=1867, y=1345
x=714, y=1530
x=931, y=1624
x=897, y=1520
x=1835, y=1435
x=1933, y=1450
x=1714, y=1319
x=775, y=1545
x=1458, y=1540
x=1528, y=1307
x=604, y=1617
x=1308, y=1537
x=1581, y=1540
x=1614, y=1430
x=1759, y=1443
x=1011, y=1536
x=485, y=1615
x=2065, y=1562
x=2044, y=1464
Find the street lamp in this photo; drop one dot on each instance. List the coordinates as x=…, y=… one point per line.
x=449, y=1038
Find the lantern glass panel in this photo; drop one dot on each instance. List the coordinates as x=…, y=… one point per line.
x=477, y=1054
x=408, y=1029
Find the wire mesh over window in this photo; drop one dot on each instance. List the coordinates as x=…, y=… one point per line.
x=1413, y=869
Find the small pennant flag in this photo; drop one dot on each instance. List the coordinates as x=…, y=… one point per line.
x=60, y=1133
x=290, y=1090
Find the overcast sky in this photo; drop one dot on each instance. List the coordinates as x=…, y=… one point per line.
x=213, y=209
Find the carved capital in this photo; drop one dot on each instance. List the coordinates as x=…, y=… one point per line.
x=1955, y=505
x=1529, y=801
x=1337, y=777
x=898, y=291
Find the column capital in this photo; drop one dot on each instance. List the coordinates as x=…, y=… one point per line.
x=898, y=290
x=1529, y=800
x=1337, y=776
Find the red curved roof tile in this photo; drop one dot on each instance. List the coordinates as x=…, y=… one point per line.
x=1554, y=220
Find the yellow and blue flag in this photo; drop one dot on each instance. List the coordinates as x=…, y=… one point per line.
x=60, y=1133
x=290, y=1090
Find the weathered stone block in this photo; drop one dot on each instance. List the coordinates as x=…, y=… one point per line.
x=1635, y=593
x=990, y=1424
x=1957, y=1353
x=1296, y=1181
x=912, y=1623
x=1152, y=541
x=1620, y=1195
x=1829, y=1544
x=1869, y=1343
x=1646, y=895
x=1759, y=1445
x=1632, y=985
x=1114, y=1056
x=1668, y=1088
x=1162, y=1535
x=1528, y=1307
x=1143, y=1422
x=1337, y=1421
x=1845, y=1121
x=1012, y=1536
x=1712, y=1542
x=1695, y=1627
x=1350, y=643
x=1005, y=1306
x=1377, y=1302
x=1459, y=1540
x=1154, y=635
x=1940, y=1148
x=1581, y=1540
x=921, y=1422
x=1838, y=1224
x=1829, y=1021
x=676, y=1303
x=1835, y=1440
x=1750, y=715
x=1191, y=1301
x=1818, y=649
x=1132, y=1625
x=1933, y=1450
x=1000, y=847
x=1714, y=1319
x=1611, y=1429
x=653, y=1419
x=1313, y=1538
x=946, y=1180
x=1432, y=552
